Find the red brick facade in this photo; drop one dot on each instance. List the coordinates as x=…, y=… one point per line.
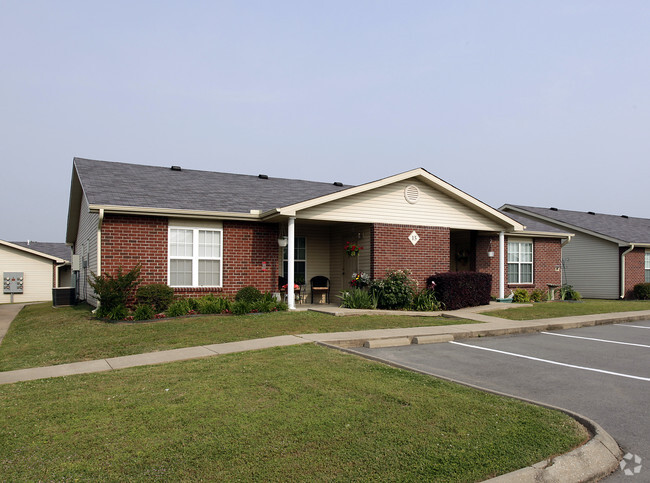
x=128, y=240
x=634, y=269
x=391, y=249
x=547, y=259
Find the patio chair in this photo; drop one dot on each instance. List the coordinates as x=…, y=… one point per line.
x=320, y=284
x=283, y=287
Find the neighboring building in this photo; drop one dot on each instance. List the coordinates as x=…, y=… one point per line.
x=206, y=232
x=43, y=266
x=609, y=254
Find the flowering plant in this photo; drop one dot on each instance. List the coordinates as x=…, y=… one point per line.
x=360, y=280
x=352, y=249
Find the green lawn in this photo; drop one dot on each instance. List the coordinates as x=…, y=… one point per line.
x=546, y=310
x=301, y=413
x=41, y=335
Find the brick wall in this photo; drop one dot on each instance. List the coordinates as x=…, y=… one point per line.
x=547, y=255
x=128, y=240
x=392, y=250
x=634, y=269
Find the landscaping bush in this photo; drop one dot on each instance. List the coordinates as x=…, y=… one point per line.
x=213, y=305
x=456, y=290
x=395, y=291
x=248, y=294
x=358, y=299
x=114, y=291
x=642, y=291
x=267, y=304
x=239, y=307
x=567, y=292
x=144, y=312
x=520, y=295
x=119, y=312
x=157, y=295
x=538, y=295
x=179, y=308
x=425, y=301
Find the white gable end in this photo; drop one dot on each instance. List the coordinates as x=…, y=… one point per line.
x=399, y=203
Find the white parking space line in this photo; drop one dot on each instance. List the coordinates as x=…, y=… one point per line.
x=634, y=326
x=629, y=376
x=597, y=340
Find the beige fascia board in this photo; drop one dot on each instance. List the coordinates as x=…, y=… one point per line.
x=539, y=234
x=618, y=241
x=420, y=173
x=33, y=252
x=176, y=213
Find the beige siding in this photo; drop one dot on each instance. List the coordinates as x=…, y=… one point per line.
x=388, y=205
x=591, y=265
x=86, y=245
x=38, y=275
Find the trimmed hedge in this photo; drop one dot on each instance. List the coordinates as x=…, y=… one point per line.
x=456, y=290
x=642, y=291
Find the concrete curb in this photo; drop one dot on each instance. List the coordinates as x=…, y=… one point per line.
x=597, y=458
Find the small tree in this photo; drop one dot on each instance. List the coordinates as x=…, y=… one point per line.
x=114, y=291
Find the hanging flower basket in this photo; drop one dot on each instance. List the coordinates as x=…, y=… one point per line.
x=352, y=250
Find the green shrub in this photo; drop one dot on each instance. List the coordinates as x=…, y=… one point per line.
x=567, y=292
x=521, y=295
x=144, y=312
x=118, y=312
x=157, y=295
x=213, y=305
x=395, y=291
x=239, y=307
x=538, y=295
x=178, y=308
x=113, y=291
x=248, y=294
x=192, y=303
x=425, y=301
x=642, y=291
x=358, y=299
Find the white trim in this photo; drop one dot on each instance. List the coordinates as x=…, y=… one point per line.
x=291, y=246
x=647, y=266
x=195, y=258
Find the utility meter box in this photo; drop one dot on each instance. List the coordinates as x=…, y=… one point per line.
x=12, y=282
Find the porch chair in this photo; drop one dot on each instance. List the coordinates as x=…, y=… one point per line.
x=320, y=284
x=283, y=286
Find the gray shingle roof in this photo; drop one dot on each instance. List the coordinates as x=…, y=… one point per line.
x=58, y=250
x=533, y=224
x=135, y=185
x=629, y=230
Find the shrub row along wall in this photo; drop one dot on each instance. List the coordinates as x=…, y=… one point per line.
x=634, y=269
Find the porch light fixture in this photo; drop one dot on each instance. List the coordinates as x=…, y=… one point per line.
x=283, y=241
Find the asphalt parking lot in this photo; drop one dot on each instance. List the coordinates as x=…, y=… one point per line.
x=602, y=372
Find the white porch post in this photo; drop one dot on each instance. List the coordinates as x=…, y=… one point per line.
x=501, y=264
x=291, y=255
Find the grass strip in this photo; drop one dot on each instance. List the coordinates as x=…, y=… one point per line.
x=547, y=310
x=301, y=413
x=41, y=335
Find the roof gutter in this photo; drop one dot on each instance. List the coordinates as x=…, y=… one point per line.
x=567, y=241
x=176, y=213
x=623, y=269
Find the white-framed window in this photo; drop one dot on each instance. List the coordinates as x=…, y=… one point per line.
x=299, y=262
x=195, y=257
x=520, y=261
x=647, y=265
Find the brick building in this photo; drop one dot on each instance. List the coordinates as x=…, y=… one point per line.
x=206, y=232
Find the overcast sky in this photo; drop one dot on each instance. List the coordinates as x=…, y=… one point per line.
x=524, y=102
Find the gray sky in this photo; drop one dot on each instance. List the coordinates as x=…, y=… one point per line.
x=538, y=103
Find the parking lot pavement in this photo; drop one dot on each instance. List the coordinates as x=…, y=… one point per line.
x=602, y=372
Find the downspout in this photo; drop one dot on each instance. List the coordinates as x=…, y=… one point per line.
x=623, y=269
x=99, y=245
x=562, y=245
x=501, y=265
x=291, y=231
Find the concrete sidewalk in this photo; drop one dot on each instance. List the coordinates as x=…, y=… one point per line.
x=489, y=326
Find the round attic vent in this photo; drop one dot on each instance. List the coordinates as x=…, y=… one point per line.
x=411, y=194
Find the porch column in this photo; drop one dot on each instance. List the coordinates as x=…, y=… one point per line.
x=291, y=255
x=501, y=264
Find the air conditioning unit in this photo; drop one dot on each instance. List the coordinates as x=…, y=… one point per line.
x=76, y=263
